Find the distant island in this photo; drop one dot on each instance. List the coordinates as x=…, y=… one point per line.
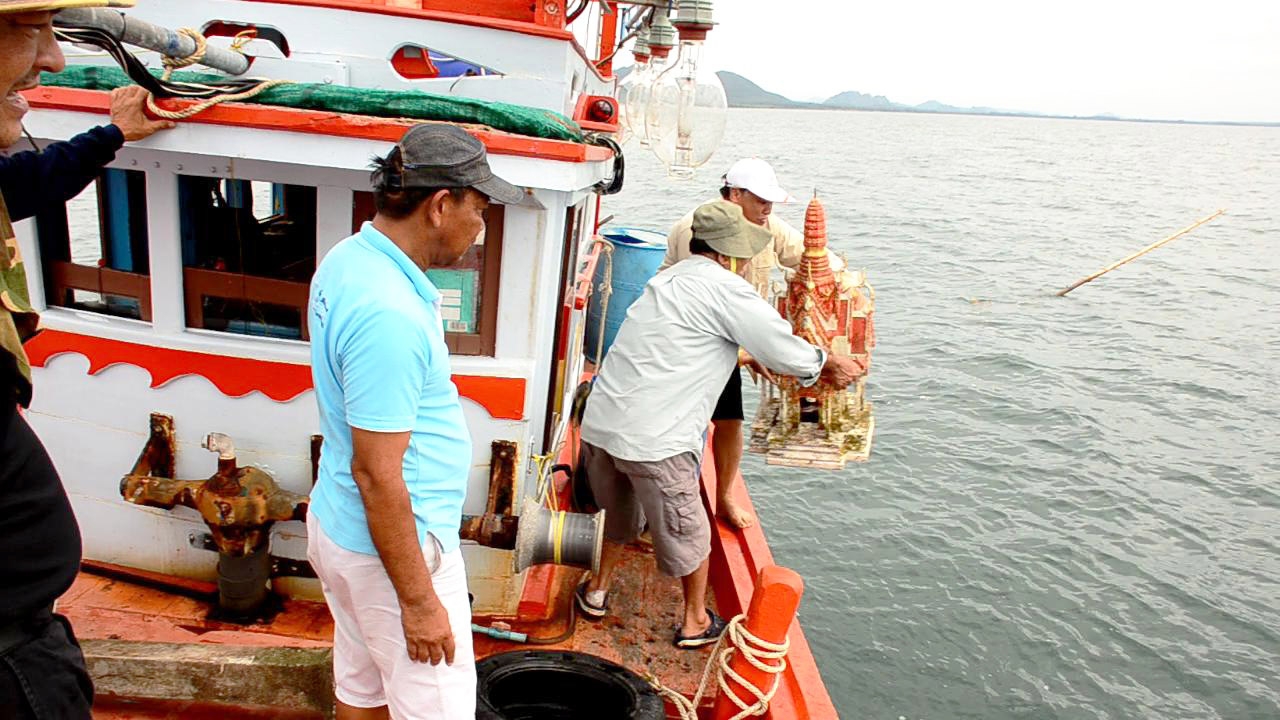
x=743, y=93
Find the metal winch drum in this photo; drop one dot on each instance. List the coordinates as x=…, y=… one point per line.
x=558, y=537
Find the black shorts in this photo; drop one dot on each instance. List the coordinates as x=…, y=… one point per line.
x=45, y=677
x=729, y=406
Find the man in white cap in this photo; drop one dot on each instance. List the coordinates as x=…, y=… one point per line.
x=42, y=671
x=653, y=395
x=751, y=185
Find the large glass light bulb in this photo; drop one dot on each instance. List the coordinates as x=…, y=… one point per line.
x=633, y=97
x=639, y=74
x=686, y=114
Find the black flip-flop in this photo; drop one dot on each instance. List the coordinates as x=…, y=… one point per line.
x=588, y=608
x=708, y=636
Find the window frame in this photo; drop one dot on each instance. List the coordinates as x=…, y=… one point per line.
x=483, y=342
x=199, y=283
x=62, y=275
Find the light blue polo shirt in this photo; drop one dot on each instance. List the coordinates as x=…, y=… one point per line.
x=379, y=363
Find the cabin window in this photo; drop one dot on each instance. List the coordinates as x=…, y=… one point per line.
x=94, y=248
x=248, y=253
x=468, y=288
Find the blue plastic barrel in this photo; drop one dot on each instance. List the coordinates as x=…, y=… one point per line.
x=637, y=253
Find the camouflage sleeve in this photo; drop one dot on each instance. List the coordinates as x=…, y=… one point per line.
x=17, y=319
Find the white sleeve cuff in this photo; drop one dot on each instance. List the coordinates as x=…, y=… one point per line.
x=810, y=380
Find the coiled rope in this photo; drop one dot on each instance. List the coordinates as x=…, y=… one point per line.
x=763, y=655
x=202, y=46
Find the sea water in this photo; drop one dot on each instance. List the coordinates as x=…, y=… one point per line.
x=1072, y=508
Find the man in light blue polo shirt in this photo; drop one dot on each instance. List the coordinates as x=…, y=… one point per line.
x=385, y=511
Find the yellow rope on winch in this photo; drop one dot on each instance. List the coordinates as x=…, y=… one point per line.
x=763, y=655
x=202, y=46
x=542, y=491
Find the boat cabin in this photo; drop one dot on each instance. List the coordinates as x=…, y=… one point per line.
x=177, y=283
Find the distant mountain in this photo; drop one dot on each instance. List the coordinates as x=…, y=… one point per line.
x=861, y=101
x=741, y=92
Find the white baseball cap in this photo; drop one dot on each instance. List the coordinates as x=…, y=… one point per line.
x=757, y=177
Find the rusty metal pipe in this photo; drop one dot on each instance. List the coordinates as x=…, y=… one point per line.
x=498, y=526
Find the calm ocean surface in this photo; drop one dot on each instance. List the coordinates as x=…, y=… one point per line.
x=1072, y=509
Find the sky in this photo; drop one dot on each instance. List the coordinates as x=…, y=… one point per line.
x=1172, y=60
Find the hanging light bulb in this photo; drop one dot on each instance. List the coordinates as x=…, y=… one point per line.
x=662, y=37
x=687, y=108
x=631, y=120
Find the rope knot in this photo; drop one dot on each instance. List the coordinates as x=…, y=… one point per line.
x=202, y=47
x=763, y=655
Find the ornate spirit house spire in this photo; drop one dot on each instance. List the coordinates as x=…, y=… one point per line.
x=820, y=426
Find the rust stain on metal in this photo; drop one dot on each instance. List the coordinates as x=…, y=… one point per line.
x=316, y=442
x=497, y=527
x=239, y=504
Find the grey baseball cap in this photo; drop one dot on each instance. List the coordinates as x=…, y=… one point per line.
x=439, y=155
x=722, y=226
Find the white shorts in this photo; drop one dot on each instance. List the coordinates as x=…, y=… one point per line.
x=371, y=666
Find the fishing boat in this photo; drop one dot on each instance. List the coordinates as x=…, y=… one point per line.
x=172, y=381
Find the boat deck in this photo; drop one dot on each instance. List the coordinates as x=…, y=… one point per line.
x=644, y=610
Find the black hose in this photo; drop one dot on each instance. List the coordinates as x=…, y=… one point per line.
x=614, y=184
x=139, y=74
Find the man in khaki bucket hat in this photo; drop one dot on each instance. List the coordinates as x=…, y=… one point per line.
x=42, y=671
x=645, y=420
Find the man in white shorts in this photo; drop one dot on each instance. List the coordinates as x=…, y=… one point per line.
x=385, y=512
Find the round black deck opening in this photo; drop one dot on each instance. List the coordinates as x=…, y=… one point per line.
x=547, y=685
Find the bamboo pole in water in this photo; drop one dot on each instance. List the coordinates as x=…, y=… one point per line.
x=1143, y=251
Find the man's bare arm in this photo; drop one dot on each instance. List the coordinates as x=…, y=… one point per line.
x=377, y=465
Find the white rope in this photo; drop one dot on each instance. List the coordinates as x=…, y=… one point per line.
x=763, y=655
x=202, y=46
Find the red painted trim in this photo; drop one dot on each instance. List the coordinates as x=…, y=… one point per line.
x=501, y=397
x=318, y=122
x=581, y=108
x=599, y=126
x=458, y=18
x=535, y=597
x=582, y=286
x=234, y=376
x=737, y=556
x=608, y=36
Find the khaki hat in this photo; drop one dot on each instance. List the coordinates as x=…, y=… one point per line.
x=17, y=6
x=721, y=225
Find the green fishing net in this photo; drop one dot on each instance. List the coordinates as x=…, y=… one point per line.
x=412, y=104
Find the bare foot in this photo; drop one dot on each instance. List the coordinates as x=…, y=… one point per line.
x=734, y=516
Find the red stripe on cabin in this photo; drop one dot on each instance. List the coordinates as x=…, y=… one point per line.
x=519, y=16
x=539, y=18
x=318, y=122
x=501, y=397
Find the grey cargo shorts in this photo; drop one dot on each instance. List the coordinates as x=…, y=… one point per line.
x=666, y=491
